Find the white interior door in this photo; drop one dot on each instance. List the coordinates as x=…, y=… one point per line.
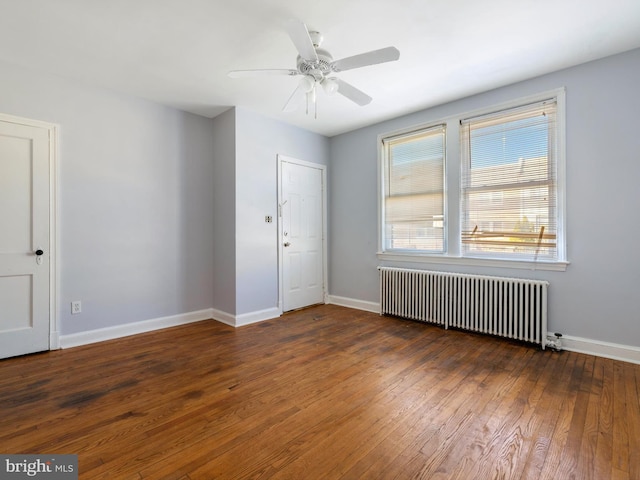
x=24, y=239
x=302, y=235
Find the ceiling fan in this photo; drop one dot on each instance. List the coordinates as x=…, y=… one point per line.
x=316, y=67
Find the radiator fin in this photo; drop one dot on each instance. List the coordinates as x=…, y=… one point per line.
x=505, y=307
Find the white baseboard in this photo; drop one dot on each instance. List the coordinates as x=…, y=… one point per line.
x=223, y=317
x=246, y=318
x=597, y=348
x=258, y=316
x=118, y=331
x=615, y=351
x=353, y=303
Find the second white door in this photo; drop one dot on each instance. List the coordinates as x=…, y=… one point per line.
x=302, y=235
x=24, y=239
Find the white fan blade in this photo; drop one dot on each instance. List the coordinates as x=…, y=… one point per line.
x=374, y=57
x=301, y=39
x=260, y=73
x=352, y=93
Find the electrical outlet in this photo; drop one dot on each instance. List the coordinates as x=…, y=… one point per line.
x=76, y=307
x=268, y=218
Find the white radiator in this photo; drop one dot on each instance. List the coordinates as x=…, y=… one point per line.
x=506, y=307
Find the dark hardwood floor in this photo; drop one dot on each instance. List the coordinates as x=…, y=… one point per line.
x=324, y=393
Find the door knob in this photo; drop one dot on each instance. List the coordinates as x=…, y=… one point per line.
x=287, y=244
x=39, y=252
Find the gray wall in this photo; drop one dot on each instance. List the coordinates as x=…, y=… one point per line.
x=223, y=213
x=596, y=298
x=135, y=200
x=258, y=142
x=161, y=212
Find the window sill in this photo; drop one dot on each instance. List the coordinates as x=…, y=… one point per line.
x=470, y=261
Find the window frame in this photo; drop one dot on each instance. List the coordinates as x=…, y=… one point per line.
x=452, y=254
x=385, y=142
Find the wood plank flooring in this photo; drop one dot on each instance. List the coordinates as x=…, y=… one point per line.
x=324, y=393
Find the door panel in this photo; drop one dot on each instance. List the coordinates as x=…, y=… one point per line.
x=24, y=217
x=15, y=194
x=15, y=298
x=302, y=235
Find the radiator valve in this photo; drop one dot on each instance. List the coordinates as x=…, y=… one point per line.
x=555, y=343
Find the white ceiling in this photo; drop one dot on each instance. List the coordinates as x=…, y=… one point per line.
x=178, y=52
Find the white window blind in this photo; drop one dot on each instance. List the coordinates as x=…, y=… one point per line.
x=414, y=191
x=509, y=184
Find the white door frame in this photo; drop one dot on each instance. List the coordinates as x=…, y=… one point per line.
x=54, y=334
x=323, y=168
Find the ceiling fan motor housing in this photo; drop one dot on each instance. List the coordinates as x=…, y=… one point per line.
x=318, y=70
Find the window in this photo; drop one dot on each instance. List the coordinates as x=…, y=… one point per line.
x=508, y=183
x=414, y=191
x=489, y=191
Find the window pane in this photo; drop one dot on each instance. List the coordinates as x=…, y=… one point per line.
x=414, y=191
x=509, y=184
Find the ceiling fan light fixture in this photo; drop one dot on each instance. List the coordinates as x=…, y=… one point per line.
x=329, y=85
x=307, y=83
